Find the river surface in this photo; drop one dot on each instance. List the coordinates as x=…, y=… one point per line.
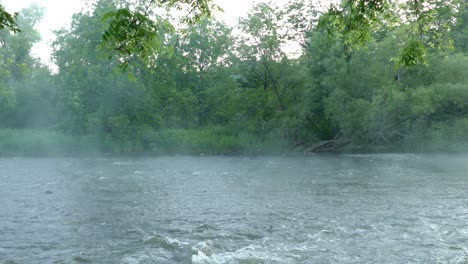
x=392, y=208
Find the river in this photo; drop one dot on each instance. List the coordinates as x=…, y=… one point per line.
x=385, y=208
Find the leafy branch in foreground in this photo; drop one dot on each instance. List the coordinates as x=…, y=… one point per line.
x=133, y=34
x=7, y=20
x=428, y=24
x=354, y=20
x=137, y=32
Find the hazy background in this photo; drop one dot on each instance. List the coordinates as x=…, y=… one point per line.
x=234, y=87
x=59, y=13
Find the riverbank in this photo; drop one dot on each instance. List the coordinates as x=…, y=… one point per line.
x=205, y=141
x=39, y=142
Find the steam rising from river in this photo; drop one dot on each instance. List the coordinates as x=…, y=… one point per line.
x=315, y=209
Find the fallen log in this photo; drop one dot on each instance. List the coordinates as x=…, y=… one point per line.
x=328, y=146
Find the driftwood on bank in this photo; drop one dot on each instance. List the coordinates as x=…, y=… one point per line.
x=328, y=146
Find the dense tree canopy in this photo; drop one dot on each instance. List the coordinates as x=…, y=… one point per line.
x=133, y=28
x=206, y=88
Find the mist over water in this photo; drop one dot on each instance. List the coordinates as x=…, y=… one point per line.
x=395, y=208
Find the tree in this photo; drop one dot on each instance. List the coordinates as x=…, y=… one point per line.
x=264, y=45
x=95, y=98
x=429, y=21
x=134, y=30
x=16, y=47
x=460, y=33
x=205, y=54
x=16, y=68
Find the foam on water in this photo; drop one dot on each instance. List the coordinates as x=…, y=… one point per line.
x=163, y=241
x=207, y=253
x=122, y=163
x=247, y=210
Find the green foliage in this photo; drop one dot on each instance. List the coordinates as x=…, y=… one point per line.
x=212, y=141
x=15, y=48
x=354, y=20
x=445, y=136
x=201, y=89
x=7, y=20
x=195, y=10
x=413, y=53
x=136, y=31
x=374, y=102
x=7, y=102
x=429, y=23
x=22, y=102
x=351, y=114
x=133, y=34
x=460, y=31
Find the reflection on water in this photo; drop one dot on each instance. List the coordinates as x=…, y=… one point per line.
x=315, y=209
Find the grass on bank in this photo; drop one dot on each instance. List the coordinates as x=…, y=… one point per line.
x=451, y=137
x=211, y=141
x=208, y=141
x=33, y=142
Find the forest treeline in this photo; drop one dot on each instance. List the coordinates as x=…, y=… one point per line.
x=276, y=82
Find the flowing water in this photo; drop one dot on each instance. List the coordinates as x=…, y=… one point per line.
x=394, y=208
